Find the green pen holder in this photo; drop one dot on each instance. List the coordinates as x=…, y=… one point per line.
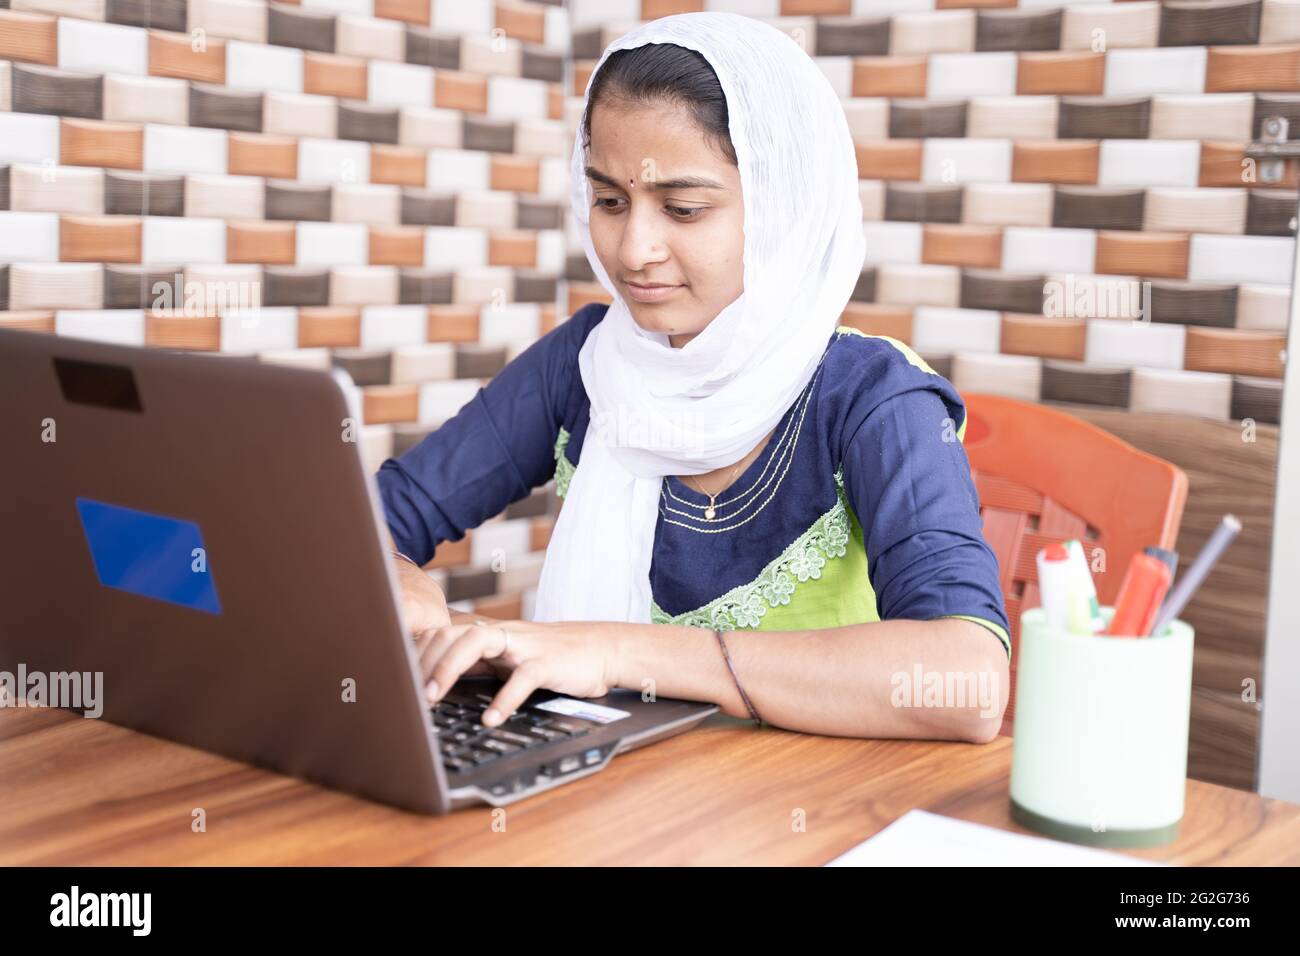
x=1099, y=742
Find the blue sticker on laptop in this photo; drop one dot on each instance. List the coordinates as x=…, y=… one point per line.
x=152, y=555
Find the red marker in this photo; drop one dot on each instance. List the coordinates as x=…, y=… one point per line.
x=1144, y=586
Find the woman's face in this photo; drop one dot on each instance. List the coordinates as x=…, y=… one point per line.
x=666, y=211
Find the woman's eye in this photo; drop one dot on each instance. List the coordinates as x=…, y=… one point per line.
x=681, y=212
x=600, y=201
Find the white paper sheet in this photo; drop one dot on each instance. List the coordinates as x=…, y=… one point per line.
x=921, y=838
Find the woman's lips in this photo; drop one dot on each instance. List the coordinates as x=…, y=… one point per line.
x=651, y=293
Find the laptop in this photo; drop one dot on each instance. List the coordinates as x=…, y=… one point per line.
x=201, y=531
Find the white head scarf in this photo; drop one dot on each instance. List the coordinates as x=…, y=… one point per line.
x=658, y=410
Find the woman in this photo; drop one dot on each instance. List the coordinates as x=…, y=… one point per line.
x=761, y=508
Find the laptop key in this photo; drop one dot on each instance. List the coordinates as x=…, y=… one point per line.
x=513, y=738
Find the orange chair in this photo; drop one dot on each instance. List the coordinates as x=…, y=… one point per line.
x=1044, y=476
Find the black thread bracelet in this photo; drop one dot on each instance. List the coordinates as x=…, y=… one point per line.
x=726, y=656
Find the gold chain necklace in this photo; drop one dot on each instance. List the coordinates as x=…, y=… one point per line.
x=709, y=512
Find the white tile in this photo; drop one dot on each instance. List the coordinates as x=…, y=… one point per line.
x=913, y=285
x=56, y=285
x=1258, y=259
x=517, y=98
x=1076, y=295
x=370, y=38
x=360, y=8
x=29, y=237
x=118, y=326
x=542, y=137
x=1264, y=307
x=556, y=29
x=255, y=330
x=459, y=169
x=300, y=114
x=510, y=322
x=425, y=362
x=1141, y=162
x=462, y=17
x=180, y=149
x=102, y=47
x=146, y=99
x=1135, y=344
x=74, y=190
x=258, y=66
x=868, y=117
x=1107, y=26
x=551, y=251
x=1202, y=116
x=1207, y=394
x=966, y=161
x=232, y=19
x=943, y=31
x=497, y=544
x=389, y=326
x=952, y=331
x=439, y=401
x=333, y=161
x=960, y=76
x=225, y=197
x=450, y=247
x=1280, y=22
x=1012, y=117
x=892, y=241
x=333, y=244
x=592, y=13
x=838, y=71
x=29, y=138
x=1175, y=69
x=166, y=239
x=1015, y=376
x=1048, y=250
x=400, y=84
x=875, y=8
x=555, y=178
x=429, y=127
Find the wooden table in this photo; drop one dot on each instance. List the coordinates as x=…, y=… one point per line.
x=77, y=791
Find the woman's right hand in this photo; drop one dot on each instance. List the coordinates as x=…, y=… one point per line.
x=424, y=606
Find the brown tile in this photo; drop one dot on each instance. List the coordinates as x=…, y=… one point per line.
x=1225, y=164
x=522, y=21
x=890, y=75
x=654, y=9
x=512, y=247
x=99, y=239
x=409, y=11
x=978, y=247
x=451, y=554
x=540, y=530
x=262, y=154
x=29, y=320
x=453, y=323
x=585, y=293
x=1044, y=337
x=179, y=330
x=1252, y=68
x=331, y=74
x=873, y=319
x=516, y=174
x=554, y=101
x=398, y=165
x=390, y=403
x=255, y=240
x=816, y=8
x=1055, y=161
x=84, y=142
x=1060, y=72
x=172, y=54
x=332, y=326
x=889, y=159
x=1162, y=254
x=33, y=37
x=458, y=90
x=1235, y=351
x=973, y=4
x=582, y=70
x=396, y=246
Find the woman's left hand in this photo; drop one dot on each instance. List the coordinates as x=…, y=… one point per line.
x=569, y=657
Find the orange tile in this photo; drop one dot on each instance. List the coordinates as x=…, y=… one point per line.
x=889, y=159
x=1055, y=161
x=410, y=11
x=396, y=246
x=172, y=54
x=171, y=329
x=816, y=8
x=33, y=37
x=458, y=90
x=1061, y=72
x=85, y=142
x=329, y=326
x=1226, y=164
x=29, y=320
x=269, y=242
x=262, y=154
x=390, y=403
x=654, y=9
x=876, y=319
x=890, y=75
x=451, y=554
x=546, y=317
x=1159, y=254
x=1044, y=337
x=540, y=532
x=500, y=607
x=331, y=74
x=1252, y=68
x=99, y=239
x=585, y=293
x=398, y=165
x=453, y=323
x=554, y=101
x=977, y=247
x=971, y=4
x=516, y=174
x=521, y=21
x=1234, y=351
x=582, y=70
x=512, y=247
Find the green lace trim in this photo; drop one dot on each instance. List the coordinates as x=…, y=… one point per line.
x=563, y=467
x=745, y=605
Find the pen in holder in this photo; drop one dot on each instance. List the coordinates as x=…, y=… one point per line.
x=1099, y=744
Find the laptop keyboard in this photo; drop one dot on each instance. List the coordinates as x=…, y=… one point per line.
x=467, y=745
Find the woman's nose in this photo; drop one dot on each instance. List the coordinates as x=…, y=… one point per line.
x=642, y=241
